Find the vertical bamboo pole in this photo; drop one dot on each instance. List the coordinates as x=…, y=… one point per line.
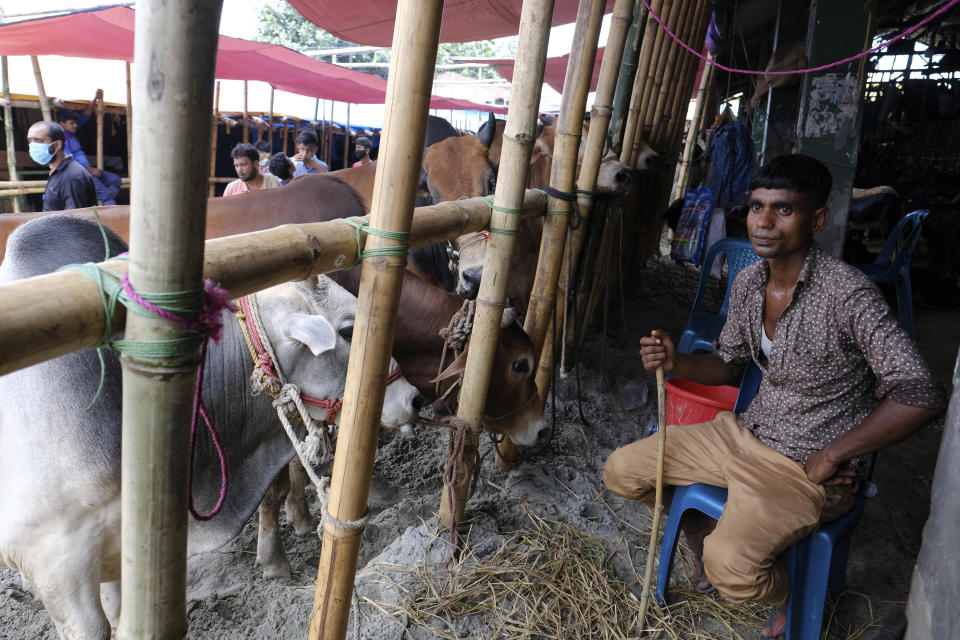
x=100, y=133
x=694, y=131
x=283, y=123
x=407, y=100
x=8, y=128
x=246, y=123
x=346, y=141
x=639, y=83
x=628, y=70
x=670, y=70
x=518, y=138
x=175, y=47
x=322, y=154
x=676, y=110
x=270, y=130
x=316, y=108
x=129, y=121
x=600, y=115
x=41, y=94
x=566, y=147
x=669, y=12
x=213, y=138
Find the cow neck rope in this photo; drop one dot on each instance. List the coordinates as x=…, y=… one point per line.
x=267, y=376
x=362, y=225
x=203, y=308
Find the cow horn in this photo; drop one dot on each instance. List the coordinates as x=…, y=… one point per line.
x=488, y=130
x=509, y=317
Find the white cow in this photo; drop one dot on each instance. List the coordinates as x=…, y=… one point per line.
x=60, y=464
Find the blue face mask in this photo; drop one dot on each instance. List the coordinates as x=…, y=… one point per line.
x=40, y=152
x=264, y=162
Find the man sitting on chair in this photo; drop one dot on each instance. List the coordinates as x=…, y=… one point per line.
x=841, y=380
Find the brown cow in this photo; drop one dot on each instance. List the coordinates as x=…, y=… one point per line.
x=424, y=310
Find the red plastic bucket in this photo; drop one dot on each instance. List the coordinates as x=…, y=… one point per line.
x=690, y=402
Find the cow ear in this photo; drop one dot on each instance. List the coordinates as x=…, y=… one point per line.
x=314, y=331
x=456, y=367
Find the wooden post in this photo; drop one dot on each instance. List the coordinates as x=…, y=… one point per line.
x=213, y=139
x=346, y=141
x=270, y=129
x=518, y=138
x=600, y=115
x=566, y=147
x=246, y=124
x=176, y=40
x=398, y=174
x=283, y=123
x=639, y=82
x=41, y=94
x=129, y=122
x=100, y=133
x=8, y=129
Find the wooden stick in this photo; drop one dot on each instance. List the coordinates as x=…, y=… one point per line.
x=167, y=222
x=100, y=134
x=270, y=130
x=213, y=138
x=246, y=124
x=658, y=509
x=129, y=121
x=398, y=174
x=518, y=138
x=576, y=84
x=8, y=128
x=41, y=94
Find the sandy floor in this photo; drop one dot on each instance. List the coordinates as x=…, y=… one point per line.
x=229, y=598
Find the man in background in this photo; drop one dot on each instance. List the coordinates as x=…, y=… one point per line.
x=69, y=185
x=263, y=148
x=306, y=160
x=246, y=159
x=361, y=150
x=282, y=167
x=106, y=183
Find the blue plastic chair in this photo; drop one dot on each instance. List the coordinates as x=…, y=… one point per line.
x=704, y=327
x=889, y=268
x=816, y=564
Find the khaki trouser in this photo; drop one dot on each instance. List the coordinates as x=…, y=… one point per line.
x=771, y=503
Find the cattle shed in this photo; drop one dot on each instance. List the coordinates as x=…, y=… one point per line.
x=577, y=560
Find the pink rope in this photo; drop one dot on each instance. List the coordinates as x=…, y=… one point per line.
x=208, y=323
x=796, y=71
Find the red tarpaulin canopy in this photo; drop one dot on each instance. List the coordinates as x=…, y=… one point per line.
x=108, y=34
x=370, y=22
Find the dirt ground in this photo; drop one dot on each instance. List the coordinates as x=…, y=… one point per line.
x=561, y=482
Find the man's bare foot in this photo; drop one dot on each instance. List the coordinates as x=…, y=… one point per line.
x=776, y=626
x=697, y=526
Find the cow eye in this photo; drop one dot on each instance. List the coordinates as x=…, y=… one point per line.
x=346, y=332
x=521, y=365
x=493, y=184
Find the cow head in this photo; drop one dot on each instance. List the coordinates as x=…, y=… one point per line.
x=460, y=167
x=310, y=325
x=513, y=406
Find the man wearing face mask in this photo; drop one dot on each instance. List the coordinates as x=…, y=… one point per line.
x=69, y=185
x=361, y=151
x=263, y=148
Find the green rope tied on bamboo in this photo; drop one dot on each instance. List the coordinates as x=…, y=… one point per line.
x=546, y=199
x=492, y=207
x=363, y=226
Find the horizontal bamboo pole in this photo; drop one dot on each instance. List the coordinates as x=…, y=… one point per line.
x=54, y=314
x=10, y=188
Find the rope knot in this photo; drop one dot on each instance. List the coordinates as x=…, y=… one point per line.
x=457, y=331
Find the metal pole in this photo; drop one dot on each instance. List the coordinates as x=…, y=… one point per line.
x=408, y=96
x=41, y=94
x=8, y=128
x=176, y=51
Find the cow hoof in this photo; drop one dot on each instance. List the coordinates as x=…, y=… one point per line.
x=407, y=432
x=277, y=570
x=306, y=526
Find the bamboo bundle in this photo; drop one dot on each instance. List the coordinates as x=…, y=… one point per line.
x=670, y=12
x=670, y=70
x=213, y=138
x=676, y=110
x=518, y=138
x=639, y=82
x=398, y=175
x=41, y=94
x=100, y=134
x=600, y=115
x=543, y=298
x=8, y=129
x=129, y=120
x=705, y=81
x=628, y=70
x=166, y=255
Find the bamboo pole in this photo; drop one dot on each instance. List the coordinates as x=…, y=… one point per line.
x=100, y=134
x=669, y=12
x=346, y=141
x=670, y=70
x=658, y=492
x=10, y=188
x=41, y=94
x=518, y=138
x=566, y=147
x=628, y=70
x=694, y=131
x=675, y=111
x=129, y=120
x=283, y=123
x=407, y=100
x=270, y=130
x=246, y=124
x=639, y=83
x=213, y=138
x=8, y=129
x=167, y=221
x=600, y=115
x=54, y=314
